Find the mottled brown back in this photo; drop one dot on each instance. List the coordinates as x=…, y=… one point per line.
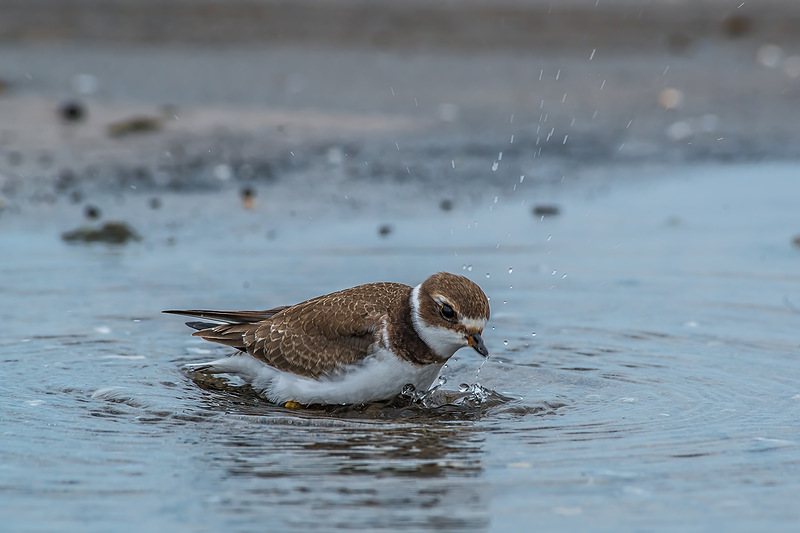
x=316, y=336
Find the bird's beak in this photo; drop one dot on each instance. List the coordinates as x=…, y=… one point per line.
x=476, y=342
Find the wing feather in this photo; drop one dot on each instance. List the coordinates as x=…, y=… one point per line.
x=311, y=338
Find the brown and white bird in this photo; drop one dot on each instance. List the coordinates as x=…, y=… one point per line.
x=353, y=346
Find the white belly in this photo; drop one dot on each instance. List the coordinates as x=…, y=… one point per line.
x=378, y=377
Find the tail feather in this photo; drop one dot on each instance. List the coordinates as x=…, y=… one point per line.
x=229, y=317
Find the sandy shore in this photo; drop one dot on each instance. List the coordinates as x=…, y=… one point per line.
x=476, y=92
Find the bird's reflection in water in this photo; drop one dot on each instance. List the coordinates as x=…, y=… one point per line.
x=397, y=465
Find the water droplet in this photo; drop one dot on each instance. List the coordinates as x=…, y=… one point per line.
x=510, y=270
x=505, y=342
x=504, y=302
x=488, y=275
x=549, y=237
x=522, y=178
x=494, y=166
x=453, y=163
x=533, y=334
x=469, y=268
x=564, y=276
x=554, y=272
x=500, y=156
x=496, y=198
x=463, y=387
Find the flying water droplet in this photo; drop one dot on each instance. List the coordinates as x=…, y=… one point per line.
x=494, y=166
x=505, y=342
x=463, y=387
x=522, y=178
x=510, y=270
x=533, y=334
x=488, y=275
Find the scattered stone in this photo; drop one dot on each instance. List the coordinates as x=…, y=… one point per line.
x=248, y=195
x=109, y=233
x=446, y=205
x=546, y=210
x=385, y=229
x=734, y=26
x=134, y=125
x=72, y=111
x=92, y=212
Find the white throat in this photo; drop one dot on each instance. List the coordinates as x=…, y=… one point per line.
x=443, y=341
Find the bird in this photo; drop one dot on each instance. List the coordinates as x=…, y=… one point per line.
x=354, y=346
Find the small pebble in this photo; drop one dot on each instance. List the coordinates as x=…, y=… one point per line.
x=72, y=111
x=385, y=229
x=248, y=195
x=92, y=212
x=546, y=210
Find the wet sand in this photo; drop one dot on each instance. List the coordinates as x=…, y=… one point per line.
x=285, y=109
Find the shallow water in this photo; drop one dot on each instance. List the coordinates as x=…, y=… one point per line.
x=644, y=371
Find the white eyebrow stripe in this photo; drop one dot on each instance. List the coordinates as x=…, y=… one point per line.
x=473, y=323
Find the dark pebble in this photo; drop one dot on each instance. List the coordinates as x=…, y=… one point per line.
x=545, y=210
x=92, y=212
x=72, y=111
x=248, y=195
x=385, y=229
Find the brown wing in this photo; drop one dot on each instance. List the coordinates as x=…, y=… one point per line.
x=316, y=336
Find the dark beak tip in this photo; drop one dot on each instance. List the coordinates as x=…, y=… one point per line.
x=479, y=346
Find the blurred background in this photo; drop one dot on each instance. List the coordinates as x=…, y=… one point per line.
x=188, y=93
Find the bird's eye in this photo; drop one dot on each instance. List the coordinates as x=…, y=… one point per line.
x=447, y=312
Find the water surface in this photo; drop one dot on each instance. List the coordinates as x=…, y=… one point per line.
x=644, y=375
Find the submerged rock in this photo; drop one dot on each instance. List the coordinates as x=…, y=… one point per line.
x=110, y=233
